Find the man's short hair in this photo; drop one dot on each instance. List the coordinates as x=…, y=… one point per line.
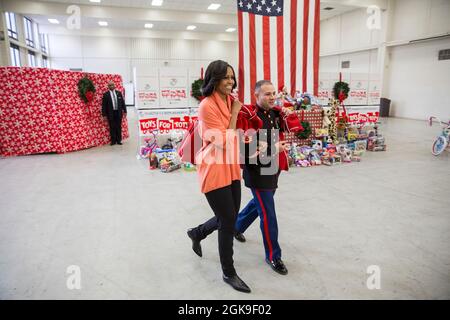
x=260, y=83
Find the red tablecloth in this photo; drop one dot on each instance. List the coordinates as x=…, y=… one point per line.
x=41, y=111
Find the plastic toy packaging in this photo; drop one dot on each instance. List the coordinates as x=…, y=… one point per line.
x=153, y=161
x=168, y=160
x=345, y=153
x=314, y=158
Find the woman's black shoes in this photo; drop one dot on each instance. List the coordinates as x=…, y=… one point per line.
x=236, y=283
x=239, y=237
x=195, y=243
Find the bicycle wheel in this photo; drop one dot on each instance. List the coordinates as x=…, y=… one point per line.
x=439, y=145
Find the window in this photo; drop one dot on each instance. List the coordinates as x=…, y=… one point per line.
x=15, y=55
x=44, y=62
x=11, y=25
x=44, y=46
x=31, y=59
x=444, y=54
x=29, y=35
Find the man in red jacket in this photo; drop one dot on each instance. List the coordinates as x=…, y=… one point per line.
x=261, y=174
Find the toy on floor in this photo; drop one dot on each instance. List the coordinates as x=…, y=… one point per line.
x=168, y=160
x=443, y=140
x=345, y=153
x=150, y=146
x=314, y=158
x=376, y=141
x=189, y=167
x=298, y=158
x=153, y=161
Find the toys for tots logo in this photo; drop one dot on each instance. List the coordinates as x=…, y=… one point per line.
x=148, y=125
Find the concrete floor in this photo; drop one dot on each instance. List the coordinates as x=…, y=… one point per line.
x=125, y=227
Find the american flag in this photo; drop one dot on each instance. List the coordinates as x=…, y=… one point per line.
x=279, y=41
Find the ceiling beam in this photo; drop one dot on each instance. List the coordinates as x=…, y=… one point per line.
x=104, y=12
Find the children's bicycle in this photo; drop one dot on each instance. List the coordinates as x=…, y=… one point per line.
x=442, y=142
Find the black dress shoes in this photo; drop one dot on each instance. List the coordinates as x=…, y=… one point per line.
x=195, y=243
x=236, y=283
x=239, y=237
x=120, y=143
x=113, y=143
x=278, y=266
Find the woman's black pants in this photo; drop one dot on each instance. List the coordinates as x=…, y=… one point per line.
x=225, y=203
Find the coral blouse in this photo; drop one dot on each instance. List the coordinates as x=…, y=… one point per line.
x=218, y=159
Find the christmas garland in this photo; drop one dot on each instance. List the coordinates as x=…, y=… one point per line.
x=303, y=135
x=86, y=89
x=341, y=87
x=196, y=92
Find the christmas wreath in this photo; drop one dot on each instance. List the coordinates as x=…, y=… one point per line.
x=303, y=135
x=341, y=90
x=86, y=89
x=196, y=92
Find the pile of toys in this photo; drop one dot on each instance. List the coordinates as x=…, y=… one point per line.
x=321, y=154
x=161, y=151
x=348, y=148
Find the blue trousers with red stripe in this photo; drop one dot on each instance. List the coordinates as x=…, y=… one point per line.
x=262, y=205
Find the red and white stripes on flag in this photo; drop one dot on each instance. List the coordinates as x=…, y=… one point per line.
x=279, y=41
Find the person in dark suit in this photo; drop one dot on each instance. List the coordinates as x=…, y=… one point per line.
x=113, y=106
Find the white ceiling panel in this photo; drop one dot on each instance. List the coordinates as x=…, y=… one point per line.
x=227, y=7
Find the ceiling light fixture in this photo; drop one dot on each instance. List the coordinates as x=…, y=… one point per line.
x=157, y=2
x=54, y=21
x=148, y=25
x=96, y=1
x=230, y=30
x=214, y=6
x=103, y=23
x=191, y=27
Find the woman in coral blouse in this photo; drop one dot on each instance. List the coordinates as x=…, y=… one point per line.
x=218, y=165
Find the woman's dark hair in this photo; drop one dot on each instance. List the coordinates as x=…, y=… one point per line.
x=216, y=71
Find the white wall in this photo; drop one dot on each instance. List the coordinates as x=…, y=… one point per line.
x=419, y=84
x=120, y=55
x=360, y=62
x=419, y=18
x=347, y=38
x=348, y=32
x=416, y=82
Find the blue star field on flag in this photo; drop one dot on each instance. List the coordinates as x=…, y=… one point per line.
x=270, y=8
